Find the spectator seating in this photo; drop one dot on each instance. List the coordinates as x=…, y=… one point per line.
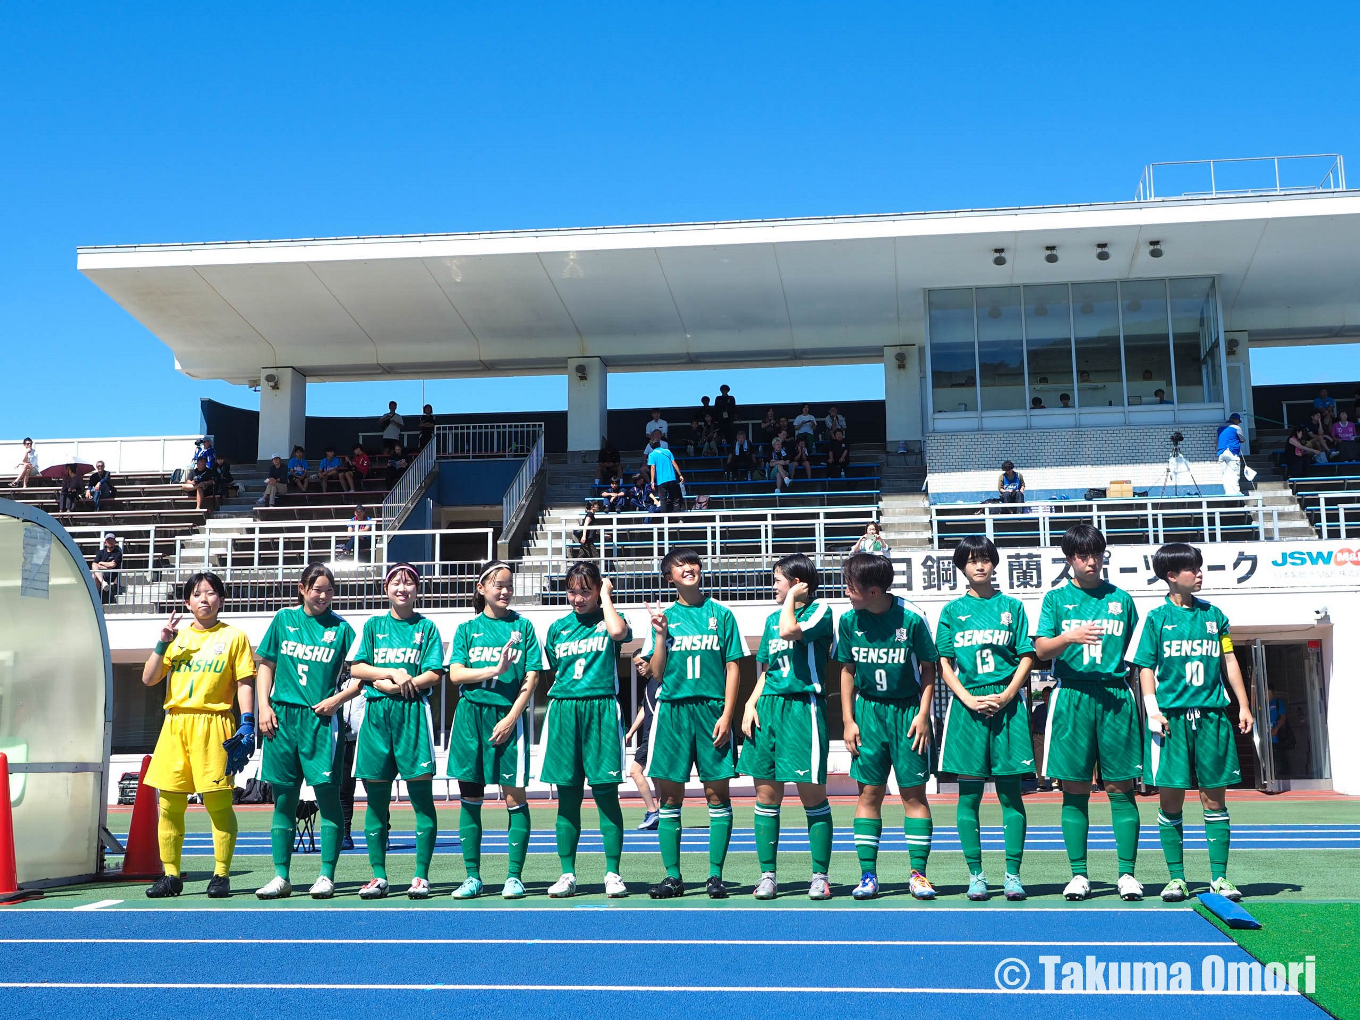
x=1331, y=501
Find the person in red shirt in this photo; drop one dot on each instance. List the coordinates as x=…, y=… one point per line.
x=361, y=463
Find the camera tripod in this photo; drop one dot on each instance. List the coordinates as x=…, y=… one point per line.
x=1175, y=464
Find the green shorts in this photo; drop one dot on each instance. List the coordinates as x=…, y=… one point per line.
x=682, y=740
x=473, y=758
x=583, y=742
x=790, y=743
x=396, y=739
x=304, y=749
x=977, y=746
x=1198, y=750
x=885, y=744
x=1090, y=724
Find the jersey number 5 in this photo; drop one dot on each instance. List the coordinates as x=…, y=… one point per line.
x=302, y=674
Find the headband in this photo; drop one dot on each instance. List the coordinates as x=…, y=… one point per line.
x=401, y=568
x=491, y=568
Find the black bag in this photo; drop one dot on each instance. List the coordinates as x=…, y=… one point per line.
x=1094, y=494
x=255, y=791
x=1287, y=740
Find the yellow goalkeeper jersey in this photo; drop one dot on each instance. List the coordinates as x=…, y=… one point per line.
x=204, y=667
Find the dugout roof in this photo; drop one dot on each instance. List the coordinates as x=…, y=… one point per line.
x=744, y=293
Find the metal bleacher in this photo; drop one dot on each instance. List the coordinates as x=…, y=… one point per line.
x=1331, y=500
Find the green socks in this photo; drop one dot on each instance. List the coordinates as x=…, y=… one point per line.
x=470, y=835
x=719, y=835
x=970, y=829
x=611, y=825
x=568, y=826
x=332, y=825
x=1218, y=832
x=282, y=828
x=918, y=832
x=1076, y=823
x=519, y=837
x=376, y=820
x=867, y=833
x=819, y=836
x=1014, y=822
x=668, y=835
x=421, y=792
x=767, y=835
x=1169, y=827
x=1124, y=817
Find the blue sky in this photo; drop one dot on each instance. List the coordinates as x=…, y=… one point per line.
x=147, y=123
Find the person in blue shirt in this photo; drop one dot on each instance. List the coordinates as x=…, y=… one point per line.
x=1230, y=439
x=329, y=469
x=1278, y=719
x=205, y=449
x=1325, y=405
x=299, y=471
x=666, y=477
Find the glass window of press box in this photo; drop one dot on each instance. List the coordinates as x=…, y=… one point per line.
x=1058, y=355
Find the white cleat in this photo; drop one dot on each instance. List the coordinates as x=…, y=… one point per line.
x=563, y=887
x=1078, y=889
x=275, y=889
x=322, y=889
x=614, y=887
x=1129, y=888
x=766, y=888
x=420, y=889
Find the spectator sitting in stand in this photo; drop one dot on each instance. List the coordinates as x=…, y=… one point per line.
x=391, y=424
x=225, y=478
x=586, y=547
x=1159, y=396
x=1319, y=435
x=1010, y=484
x=701, y=501
x=769, y=427
x=204, y=448
x=362, y=464
x=28, y=465
x=870, y=542
x=1036, y=404
x=360, y=540
x=637, y=493
x=426, y=426
x=607, y=463
x=805, y=425
x=108, y=562
x=1300, y=453
x=710, y=436
x=68, y=496
x=656, y=424
x=202, y=482
x=705, y=407
x=1324, y=405
x=834, y=420
x=800, y=458
x=777, y=467
x=837, y=454
x=1064, y=400
x=784, y=429
x=329, y=470
x=650, y=502
x=695, y=442
x=99, y=486
x=299, y=471
x=1343, y=432
x=275, y=483
x=347, y=474
x=397, y=463
x=741, y=459
x=615, y=499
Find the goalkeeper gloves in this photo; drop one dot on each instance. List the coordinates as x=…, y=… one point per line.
x=242, y=745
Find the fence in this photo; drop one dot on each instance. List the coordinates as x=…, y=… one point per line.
x=1338, y=514
x=512, y=503
x=1251, y=175
x=126, y=455
x=287, y=545
x=398, y=503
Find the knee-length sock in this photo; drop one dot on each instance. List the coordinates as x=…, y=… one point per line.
x=421, y=793
x=1076, y=823
x=970, y=830
x=1124, y=818
x=820, y=832
x=222, y=817
x=611, y=824
x=470, y=835
x=332, y=814
x=868, y=831
x=170, y=830
x=376, y=820
x=918, y=832
x=568, y=826
x=668, y=830
x=1171, y=829
x=719, y=835
x=766, y=825
x=1014, y=822
x=283, y=827
x=1218, y=831
x=519, y=839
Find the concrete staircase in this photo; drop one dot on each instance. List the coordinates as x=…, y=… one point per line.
x=904, y=508
x=1274, y=490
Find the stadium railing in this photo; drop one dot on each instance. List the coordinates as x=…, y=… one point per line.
x=514, y=500
x=1151, y=521
x=121, y=455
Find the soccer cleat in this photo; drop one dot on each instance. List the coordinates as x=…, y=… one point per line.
x=977, y=886
x=166, y=885
x=563, y=887
x=614, y=887
x=275, y=889
x=513, y=889
x=867, y=888
x=374, y=889
x=668, y=888
x=219, y=887
x=420, y=889
x=820, y=889
x=1013, y=889
x=1078, y=889
x=766, y=888
x=1129, y=888
x=715, y=888
x=1225, y=888
x=322, y=889
x=920, y=886
x=1175, y=891
x=470, y=889
x=650, y=821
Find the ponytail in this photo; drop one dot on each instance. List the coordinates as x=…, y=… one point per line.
x=478, y=599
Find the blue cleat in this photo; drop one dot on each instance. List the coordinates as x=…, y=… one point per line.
x=977, y=886
x=867, y=888
x=649, y=821
x=1014, y=890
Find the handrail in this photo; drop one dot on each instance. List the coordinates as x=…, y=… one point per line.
x=1332, y=179
x=120, y=454
x=1347, y=510
x=504, y=439
x=324, y=540
x=513, y=502
x=399, y=503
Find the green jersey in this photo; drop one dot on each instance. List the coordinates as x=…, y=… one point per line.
x=986, y=638
x=1185, y=648
x=477, y=644
x=796, y=667
x=308, y=653
x=583, y=657
x=886, y=649
x=703, y=640
x=1111, y=610
x=412, y=645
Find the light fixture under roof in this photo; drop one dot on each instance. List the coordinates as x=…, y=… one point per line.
x=998, y=256
x=994, y=312
x=1041, y=309
x=1052, y=253
x=1086, y=308
x=1155, y=249
x=1103, y=252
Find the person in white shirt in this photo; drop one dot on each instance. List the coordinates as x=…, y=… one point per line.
x=391, y=424
x=27, y=466
x=657, y=424
x=833, y=420
x=805, y=425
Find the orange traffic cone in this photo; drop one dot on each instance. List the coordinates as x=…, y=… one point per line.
x=9, y=875
x=142, y=858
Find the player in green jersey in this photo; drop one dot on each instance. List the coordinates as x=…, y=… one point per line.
x=887, y=680
x=785, y=721
x=1183, y=656
x=398, y=659
x=694, y=647
x=496, y=659
x=985, y=658
x=1085, y=628
x=303, y=653
x=583, y=728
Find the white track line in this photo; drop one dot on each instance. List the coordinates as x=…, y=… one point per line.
x=98, y=904
x=590, y=942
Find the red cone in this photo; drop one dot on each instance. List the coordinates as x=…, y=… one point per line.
x=142, y=858
x=9, y=873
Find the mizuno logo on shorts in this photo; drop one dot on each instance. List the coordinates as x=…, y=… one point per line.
x=424, y=763
x=801, y=772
